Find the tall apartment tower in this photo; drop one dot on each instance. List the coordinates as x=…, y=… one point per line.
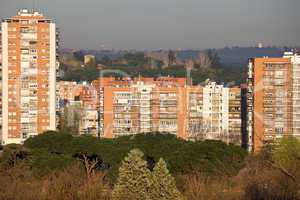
x=28, y=76
x=273, y=99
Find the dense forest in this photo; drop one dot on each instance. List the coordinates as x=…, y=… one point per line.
x=58, y=165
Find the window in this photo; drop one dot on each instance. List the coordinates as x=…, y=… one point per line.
x=12, y=29
x=11, y=36
x=279, y=130
x=269, y=66
x=24, y=22
x=33, y=51
x=32, y=21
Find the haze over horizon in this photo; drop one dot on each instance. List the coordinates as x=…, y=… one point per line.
x=168, y=24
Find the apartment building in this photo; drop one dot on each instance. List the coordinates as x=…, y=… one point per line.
x=273, y=99
x=89, y=122
x=29, y=67
x=130, y=106
x=166, y=104
x=78, y=107
x=69, y=91
x=215, y=110
x=221, y=114
x=110, y=107
x=235, y=116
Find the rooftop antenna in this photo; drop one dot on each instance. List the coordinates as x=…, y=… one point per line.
x=33, y=6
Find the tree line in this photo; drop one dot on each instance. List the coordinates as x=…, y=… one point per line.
x=57, y=165
x=207, y=66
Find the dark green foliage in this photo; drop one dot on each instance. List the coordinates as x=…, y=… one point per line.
x=43, y=162
x=88, y=73
x=105, y=61
x=221, y=74
x=208, y=157
x=135, y=59
x=51, y=141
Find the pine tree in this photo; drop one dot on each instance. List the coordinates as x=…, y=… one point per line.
x=134, y=178
x=164, y=186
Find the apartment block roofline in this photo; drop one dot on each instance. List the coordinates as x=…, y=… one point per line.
x=26, y=14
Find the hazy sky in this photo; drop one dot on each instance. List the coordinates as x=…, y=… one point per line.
x=143, y=24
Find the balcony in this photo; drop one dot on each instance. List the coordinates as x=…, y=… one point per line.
x=25, y=120
x=32, y=72
x=28, y=36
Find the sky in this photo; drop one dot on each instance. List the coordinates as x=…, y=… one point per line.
x=168, y=24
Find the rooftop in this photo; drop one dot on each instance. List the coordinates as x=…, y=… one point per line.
x=29, y=13
x=25, y=14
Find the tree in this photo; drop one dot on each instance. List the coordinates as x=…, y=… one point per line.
x=208, y=59
x=52, y=141
x=137, y=182
x=71, y=118
x=137, y=59
x=164, y=186
x=209, y=157
x=13, y=154
x=134, y=178
x=79, y=55
x=214, y=57
x=171, y=58
x=204, y=61
x=106, y=61
x=286, y=159
x=274, y=172
x=90, y=162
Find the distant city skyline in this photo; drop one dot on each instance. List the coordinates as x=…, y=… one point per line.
x=168, y=24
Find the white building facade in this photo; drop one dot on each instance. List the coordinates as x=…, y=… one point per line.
x=215, y=111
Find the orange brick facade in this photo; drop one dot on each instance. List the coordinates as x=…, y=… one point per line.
x=137, y=105
x=29, y=74
x=273, y=100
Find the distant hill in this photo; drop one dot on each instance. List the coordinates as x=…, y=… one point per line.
x=241, y=55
